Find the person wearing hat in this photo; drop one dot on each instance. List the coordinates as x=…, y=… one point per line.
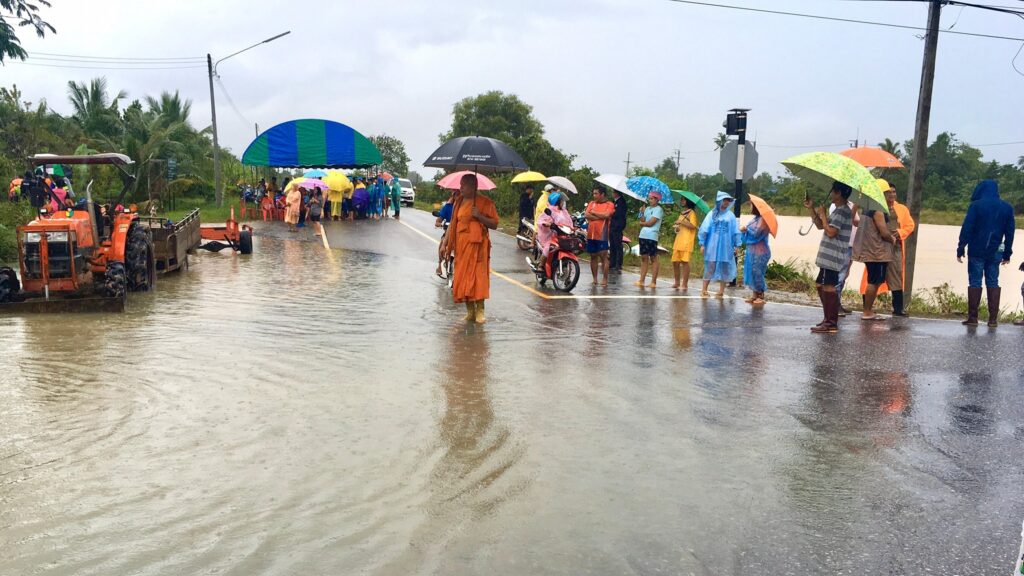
x=901, y=226
x=553, y=215
x=719, y=238
x=542, y=202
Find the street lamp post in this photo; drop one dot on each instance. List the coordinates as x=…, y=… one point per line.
x=211, y=68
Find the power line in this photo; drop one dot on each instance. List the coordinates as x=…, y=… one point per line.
x=847, y=20
x=112, y=62
x=140, y=58
x=78, y=67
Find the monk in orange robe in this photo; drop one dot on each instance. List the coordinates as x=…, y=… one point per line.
x=472, y=219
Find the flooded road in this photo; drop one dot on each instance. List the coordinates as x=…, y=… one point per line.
x=314, y=411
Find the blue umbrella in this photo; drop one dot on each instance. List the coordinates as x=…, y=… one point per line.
x=315, y=173
x=641, y=186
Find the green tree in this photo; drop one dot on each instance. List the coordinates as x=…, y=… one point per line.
x=25, y=14
x=667, y=170
x=95, y=111
x=392, y=151
x=505, y=117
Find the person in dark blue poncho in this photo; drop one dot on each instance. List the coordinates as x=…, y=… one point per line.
x=987, y=235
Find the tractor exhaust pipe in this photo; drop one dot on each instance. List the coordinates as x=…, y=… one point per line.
x=92, y=215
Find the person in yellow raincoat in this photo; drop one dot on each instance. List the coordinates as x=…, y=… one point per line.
x=293, y=202
x=336, y=197
x=901, y=225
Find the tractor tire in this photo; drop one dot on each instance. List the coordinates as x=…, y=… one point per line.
x=139, y=261
x=115, y=281
x=9, y=285
x=245, y=242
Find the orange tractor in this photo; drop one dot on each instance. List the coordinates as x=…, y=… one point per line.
x=78, y=257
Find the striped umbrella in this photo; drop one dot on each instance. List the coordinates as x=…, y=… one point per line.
x=310, y=144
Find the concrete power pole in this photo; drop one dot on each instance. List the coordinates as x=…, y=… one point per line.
x=627, y=164
x=679, y=158
x=218, y=192
x=924, y=110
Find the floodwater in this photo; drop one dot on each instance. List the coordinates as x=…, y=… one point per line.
x=936, y=256
x=312, y=411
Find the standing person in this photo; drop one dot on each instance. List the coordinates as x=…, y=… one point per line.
x=303, y=208
x=396, y=197
x=618, y=227
x=316, y=206
x=719, y=238
x=901, y=226
x=874, y=247
x=473, y=217
x=987, y=234
x=598, y=213
x=335, y=200
x=758, y=254
x=360, y=200
x=526, y=204
x=682, y=249
x=837, y=228
x=844, y=272
x=292, y=201
x=650, y=228
x=379, y=192
x=273, y=185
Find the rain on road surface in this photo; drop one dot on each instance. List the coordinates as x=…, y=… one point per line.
x=314, y=411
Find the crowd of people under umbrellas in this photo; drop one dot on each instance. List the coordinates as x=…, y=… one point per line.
x=849, y=233
x=312, y=200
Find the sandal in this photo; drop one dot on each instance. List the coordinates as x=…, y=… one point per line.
x=704, y=294
x=758, y=302
x=875, y=318
x=638, y=284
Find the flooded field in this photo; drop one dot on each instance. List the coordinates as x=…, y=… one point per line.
x=313, y=411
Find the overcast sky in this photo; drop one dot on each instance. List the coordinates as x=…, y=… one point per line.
x=605, y=77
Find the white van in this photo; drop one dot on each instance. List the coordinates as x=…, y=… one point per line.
x=408, y=192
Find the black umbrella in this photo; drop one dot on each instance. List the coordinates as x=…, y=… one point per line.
x=476, y=153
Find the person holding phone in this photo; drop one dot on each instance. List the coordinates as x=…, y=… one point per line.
x=835, y=241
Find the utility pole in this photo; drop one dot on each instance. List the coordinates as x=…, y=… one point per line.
x=924, y=110
x=627, y=164
x=218, y=192
x=679, y=158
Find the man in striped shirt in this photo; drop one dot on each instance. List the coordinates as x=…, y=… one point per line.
x=832, y=252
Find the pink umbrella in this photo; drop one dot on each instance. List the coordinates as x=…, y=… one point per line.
x=452, y=181
x=308, y=184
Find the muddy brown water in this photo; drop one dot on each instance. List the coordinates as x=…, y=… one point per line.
x=306, y=411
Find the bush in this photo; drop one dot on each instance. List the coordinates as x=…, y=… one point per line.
x=12, y=215
x=189, y=188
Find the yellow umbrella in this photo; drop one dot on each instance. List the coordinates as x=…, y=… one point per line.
x=529, y=177
x=337, y=181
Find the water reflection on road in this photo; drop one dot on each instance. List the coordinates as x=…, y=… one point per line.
x=311, y=411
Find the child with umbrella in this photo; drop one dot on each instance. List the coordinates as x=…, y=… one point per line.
x=682, y=248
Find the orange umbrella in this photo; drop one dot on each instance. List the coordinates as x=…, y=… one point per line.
x=869, y=157
x=766, y=212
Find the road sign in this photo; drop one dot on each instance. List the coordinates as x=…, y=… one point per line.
x=727, y=161
x=172, y=169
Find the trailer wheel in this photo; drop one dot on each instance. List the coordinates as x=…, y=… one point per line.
x=9, y=285
x=245, y=242
x=140, y=264
x=115, y=282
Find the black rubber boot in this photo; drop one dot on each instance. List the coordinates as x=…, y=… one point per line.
x=897, y=303
x=973, y=302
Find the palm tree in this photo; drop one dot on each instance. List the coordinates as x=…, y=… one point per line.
x=890, y=147
x=95, y=111
x=721, y=140
x=170, y=107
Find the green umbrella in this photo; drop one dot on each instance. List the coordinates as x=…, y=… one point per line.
x=823, y=168
x=702, y=206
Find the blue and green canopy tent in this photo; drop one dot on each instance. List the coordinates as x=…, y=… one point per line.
x=311, y=143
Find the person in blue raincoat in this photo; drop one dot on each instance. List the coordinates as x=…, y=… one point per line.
x=719, y=238
x=755, y=263
x=379, y=192
x=396, y=197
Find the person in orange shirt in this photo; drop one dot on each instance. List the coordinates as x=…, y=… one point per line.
x=469, y=240
x=901, y=226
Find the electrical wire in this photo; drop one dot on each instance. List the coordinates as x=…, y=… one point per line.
x=847, y=20
x=137, y=59
x=79, y=67
x=231, y=102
